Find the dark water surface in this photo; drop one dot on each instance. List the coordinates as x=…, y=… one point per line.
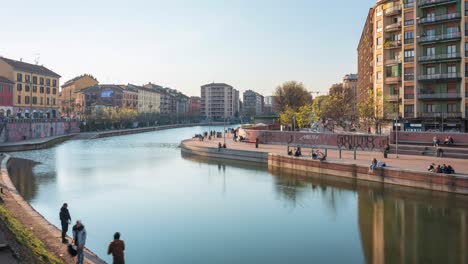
x=174, y=209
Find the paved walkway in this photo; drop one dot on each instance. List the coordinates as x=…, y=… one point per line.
x=364, y=158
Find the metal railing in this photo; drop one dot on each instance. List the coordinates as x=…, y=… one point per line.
x=393, y=79
x=441, y=114
x=438, y=18
x=408, y=5
x=452, y=75
x=423, y=95
x=409, y=96
x=440, y=56
x=392, y=97
x=446, y=36
x=392, y=44
x=409, y=76
x=393, y=10
x=393, y=61
x=422, y=3
x=394, y=26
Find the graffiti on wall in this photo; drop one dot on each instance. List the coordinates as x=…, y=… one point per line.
x=361, y=142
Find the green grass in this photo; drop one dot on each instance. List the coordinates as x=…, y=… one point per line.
x=27, y=239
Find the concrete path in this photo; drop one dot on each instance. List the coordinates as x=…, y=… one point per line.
x=364, y=158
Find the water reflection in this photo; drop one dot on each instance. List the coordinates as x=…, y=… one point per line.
x=22, y=177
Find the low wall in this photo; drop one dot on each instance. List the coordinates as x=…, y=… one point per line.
x=426, y=137
x=231, y=154
x=430, y=181
x=344, y=141
x=17, y=131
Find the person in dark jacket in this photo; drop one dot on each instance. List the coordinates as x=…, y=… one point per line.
x=65, y=220
x=79, y=237
x=116, y=248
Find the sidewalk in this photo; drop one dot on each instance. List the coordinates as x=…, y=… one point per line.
x=363, y=158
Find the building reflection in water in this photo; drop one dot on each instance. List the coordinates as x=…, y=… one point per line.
x=21, y=174
x=396, y=224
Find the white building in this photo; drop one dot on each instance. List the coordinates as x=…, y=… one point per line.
x=219, y=101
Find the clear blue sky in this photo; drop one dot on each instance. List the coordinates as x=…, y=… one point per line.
x=185, y=44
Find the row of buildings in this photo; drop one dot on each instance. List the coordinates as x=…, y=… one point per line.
x=31, y=90
x=413, y=59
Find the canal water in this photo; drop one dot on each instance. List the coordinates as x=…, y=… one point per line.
x=175, y=209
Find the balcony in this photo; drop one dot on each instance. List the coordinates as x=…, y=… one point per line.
x=409, y=5
x=393, y=27
x=441, y=37
x=440, y=76
x=393, y=61
x=441, y=114
x=409, y=96
x=440, y=57
x=392, y=79
x=392, y=97
x=409, y=76
x=439, y=18
x=396, y=9
x=439, y=96
x=429, y=3
x=392, y=44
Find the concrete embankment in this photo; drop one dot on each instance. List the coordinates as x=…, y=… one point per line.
x=453, y=183
x=49, y=234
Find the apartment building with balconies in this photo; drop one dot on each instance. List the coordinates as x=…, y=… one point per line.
x=419, y=59
x=219, y=101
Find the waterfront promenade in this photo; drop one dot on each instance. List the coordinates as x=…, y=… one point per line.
x=363, y=158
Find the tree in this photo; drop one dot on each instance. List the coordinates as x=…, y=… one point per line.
x=305, y=116
x=287, y=116
x=291, y=94
x=372, y=113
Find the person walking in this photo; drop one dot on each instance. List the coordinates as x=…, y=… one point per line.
x=65, y=220
x=79, y=237
x=116, y=248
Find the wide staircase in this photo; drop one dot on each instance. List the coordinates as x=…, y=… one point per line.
x=449, y=152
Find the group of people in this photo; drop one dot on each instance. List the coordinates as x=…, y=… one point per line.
x=316, y=154
x=447, y=141
x=376, y=164
x=220, y=146
x=116, y=247
x=447, y=169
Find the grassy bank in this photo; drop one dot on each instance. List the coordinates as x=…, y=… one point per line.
x=26, y=238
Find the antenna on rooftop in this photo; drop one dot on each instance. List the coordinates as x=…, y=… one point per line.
x=37, y=56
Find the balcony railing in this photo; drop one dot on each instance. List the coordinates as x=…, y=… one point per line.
x=439, y=96
x=440, y=76
x=393, y=10
x=392, y=61
x=441, y=114
x=440, y=57
x=409, y=76
x=423, y=3
x=393, y=27
x=392, y=44
x=408, y=5
x=409, y=96
x=393, y=79
x=439, y=18
x=392, y=97
x=448, y=36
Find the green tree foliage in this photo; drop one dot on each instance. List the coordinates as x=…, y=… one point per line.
x=305, y=116
x=287, y=116
x=291, y=94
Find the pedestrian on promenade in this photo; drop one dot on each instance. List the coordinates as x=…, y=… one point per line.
x=79, y=237
x=65, y=220
x=256, y=142
x=116, y=248
x=386, y=150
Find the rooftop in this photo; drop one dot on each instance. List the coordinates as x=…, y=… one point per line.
x=5, y=80
x=31, y=68
x=69, y=82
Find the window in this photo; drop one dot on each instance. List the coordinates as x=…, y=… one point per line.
x=41, y=80
x=54, y=91
x=26, y=99
x=19, y=77
x=430, y=70
x=34, y=89
x=452, y=71
x=54, y=83
x=452, y=108
x=379, y=41
x=409, y=74
x=35, y=79
x=26, y=88
x=409, y=3
x=42, y=101
x=19, y=99
x=379, y=59
x=48, y=82
x=409, y=36
x=451, y=49
x=53, y=101
x=409, y=109
x=466, y=9
x=379, y=25
x=48, y=101
x=379, y=75
x=430, y=51
x=34, y=100
x=41, y=90
x=409, y=55
x=430, y=108
x=19, y=87
x=430, y=32
x=409, y=18
x=27, y=78
x=452, y=31
x=48, y=90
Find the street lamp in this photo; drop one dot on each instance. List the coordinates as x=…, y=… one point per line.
x=396, y=133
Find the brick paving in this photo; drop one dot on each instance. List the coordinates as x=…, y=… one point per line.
x=363, y=158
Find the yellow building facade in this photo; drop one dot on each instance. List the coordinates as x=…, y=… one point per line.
x=36, y=88
x=71, y=100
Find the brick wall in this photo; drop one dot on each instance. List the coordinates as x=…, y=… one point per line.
x=426, y=137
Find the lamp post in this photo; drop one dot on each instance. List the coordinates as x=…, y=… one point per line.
x=224, y=131
x=396, y=133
